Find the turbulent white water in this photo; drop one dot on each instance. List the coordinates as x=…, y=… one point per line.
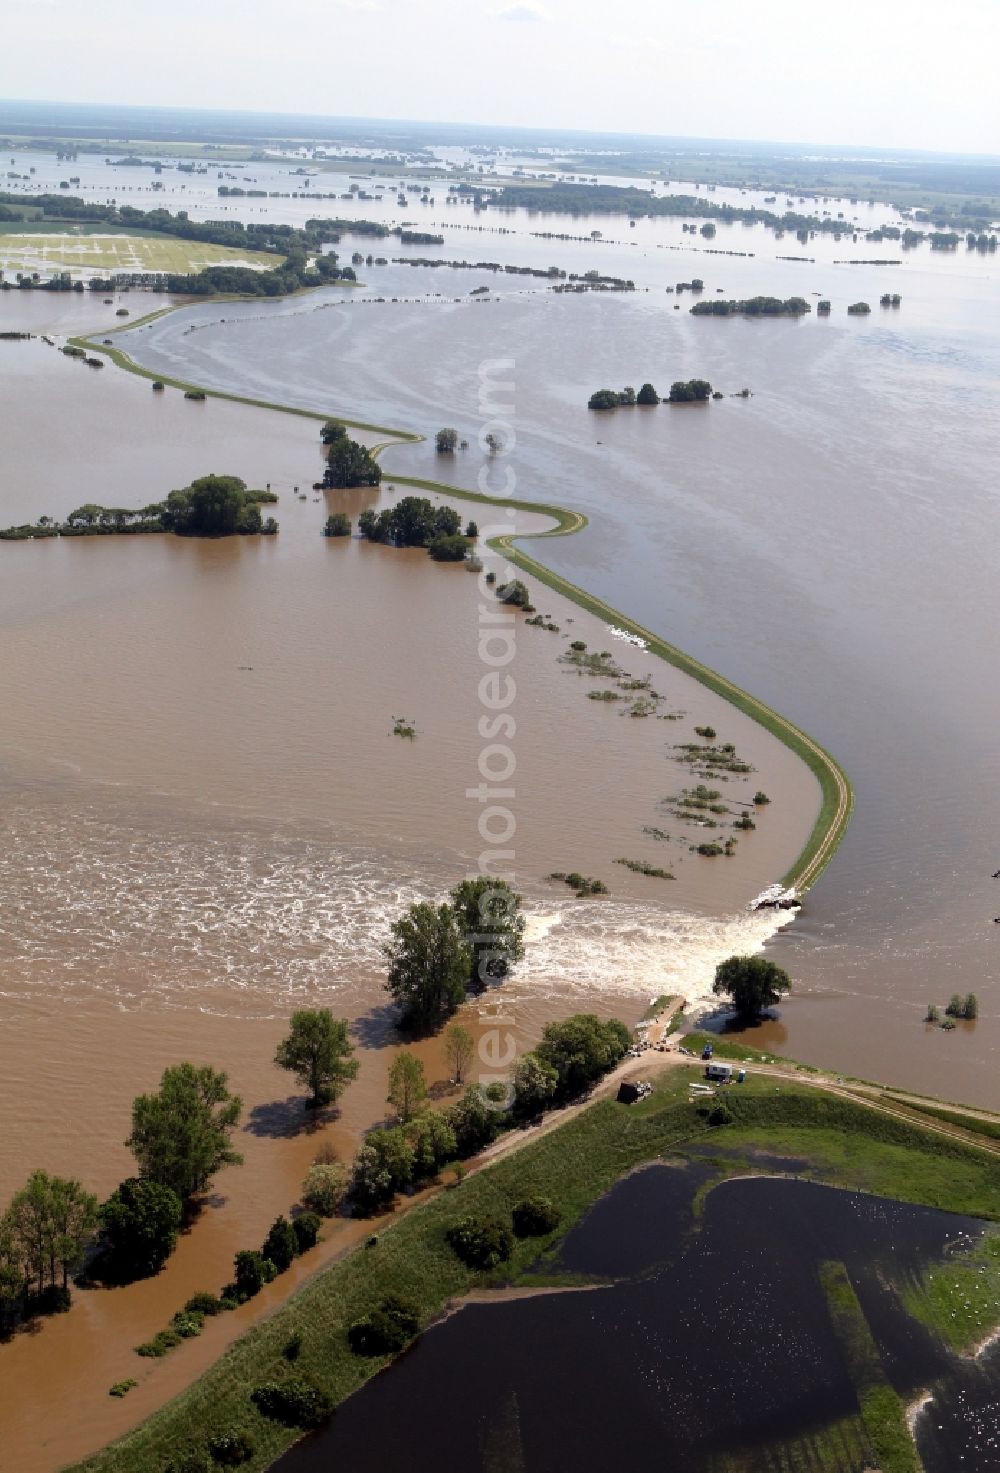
x=243, y=921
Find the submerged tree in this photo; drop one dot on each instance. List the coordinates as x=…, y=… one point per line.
x=488, y=912
x=319, y=1053
x=407, y=1086
x=429, y=965
x=753, y=982
x=181, y=1135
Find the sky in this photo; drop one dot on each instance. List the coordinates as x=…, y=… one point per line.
x=868, y=72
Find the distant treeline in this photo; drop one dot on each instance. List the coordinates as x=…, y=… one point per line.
x=610, y=199
x=297, y=244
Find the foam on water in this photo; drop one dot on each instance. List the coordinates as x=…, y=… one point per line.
x=241, y=920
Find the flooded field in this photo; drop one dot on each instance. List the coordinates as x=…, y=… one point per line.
x=208, y=822
x=711, y=1349
x=823, y=543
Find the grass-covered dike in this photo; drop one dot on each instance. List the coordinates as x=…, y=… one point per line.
x=837, y=796
x=847, y=1144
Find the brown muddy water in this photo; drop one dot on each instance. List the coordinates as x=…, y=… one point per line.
x=207, y=822
x=827, y=543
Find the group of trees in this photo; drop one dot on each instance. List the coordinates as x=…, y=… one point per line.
x=752, y=307
x=693, y=391
x=680, y=393
x=622, y=398
x=348, y=463
x=437, y=954
x=966, y=1007
x=216, y=506
x=416, y=522
x=212, y=506
x=571, y=1056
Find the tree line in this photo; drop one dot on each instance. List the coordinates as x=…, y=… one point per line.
x=212, y=506
x=681, y=392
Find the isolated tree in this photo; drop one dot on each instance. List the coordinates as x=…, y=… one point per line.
x=181, y=1135
x=488, y=913
x=407, y=1086
x=319, y=1053
x=753, y=982
x=141, y=1220
x=429, y=965
x=458, y=1050
x=351, y=464
x=647, y=395
x=535, y=1084
x=446, y=441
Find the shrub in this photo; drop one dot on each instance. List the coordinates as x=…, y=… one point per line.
x=204, y=1304
x=514, y=593
x=337, y=525
x=535, y=1216
x=472, y=529
x=292, y=1347
x=386, y=1329
x=324, y=1187
x=481, y=1243
x=187, y=1326
x=297, y=1402
x=122, y=1388
x=251, y=1274
x=161, y=1343
x=281, y=1244
x=448, y=549
x=306, y=1229
x=720, y=1114
x=760, y=798
x=231, y=1448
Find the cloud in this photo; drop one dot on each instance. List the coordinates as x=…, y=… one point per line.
x=524, y=13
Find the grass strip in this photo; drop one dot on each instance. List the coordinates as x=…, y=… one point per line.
x=882, y=1410
x=573, y=1164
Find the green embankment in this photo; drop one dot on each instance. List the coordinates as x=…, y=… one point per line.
x=882, y=1410
x=837, y=797
x=847, y=1144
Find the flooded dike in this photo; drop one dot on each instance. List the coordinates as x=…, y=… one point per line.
x=819, y=543
x=711, y=1350
x=207, y=821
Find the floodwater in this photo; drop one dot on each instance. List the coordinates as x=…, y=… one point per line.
x=207, y=822
x=706, y=1345
x=827, y=543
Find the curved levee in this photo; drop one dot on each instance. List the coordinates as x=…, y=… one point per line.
x=837, y=795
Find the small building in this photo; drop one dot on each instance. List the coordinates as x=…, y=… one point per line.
x=721, y=1073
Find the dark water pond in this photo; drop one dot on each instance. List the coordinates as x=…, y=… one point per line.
x=708, y=1342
